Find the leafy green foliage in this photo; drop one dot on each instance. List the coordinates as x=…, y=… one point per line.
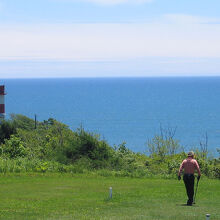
x=163, y=144
x=7, y=128
x=23, y=122
x=13, y=148
x=52, y=146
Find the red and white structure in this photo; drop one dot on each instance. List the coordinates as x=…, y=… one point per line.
x=2, y=101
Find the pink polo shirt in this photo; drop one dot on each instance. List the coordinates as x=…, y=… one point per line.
x=189, y=165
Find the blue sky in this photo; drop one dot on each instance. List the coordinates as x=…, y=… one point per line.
x=109, y=38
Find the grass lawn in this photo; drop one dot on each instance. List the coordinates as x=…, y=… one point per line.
x=56, y=196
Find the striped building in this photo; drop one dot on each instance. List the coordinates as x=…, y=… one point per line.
x=2, y=101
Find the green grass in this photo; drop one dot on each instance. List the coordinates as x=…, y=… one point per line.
x=56, y=196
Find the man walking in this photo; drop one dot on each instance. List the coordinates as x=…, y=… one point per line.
x=189, y=165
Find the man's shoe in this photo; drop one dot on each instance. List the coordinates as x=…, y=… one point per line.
x=189, y=203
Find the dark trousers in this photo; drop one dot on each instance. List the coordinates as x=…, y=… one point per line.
x=189, y=184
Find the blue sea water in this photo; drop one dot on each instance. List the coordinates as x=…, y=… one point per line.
x=127, y=110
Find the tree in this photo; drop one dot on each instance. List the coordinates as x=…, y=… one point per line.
x=23, y=122
x=163, y=144
x=204, y=146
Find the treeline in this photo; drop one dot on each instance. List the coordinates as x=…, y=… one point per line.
x=52, y=146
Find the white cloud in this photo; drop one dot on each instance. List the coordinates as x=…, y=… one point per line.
x=109, y=41
x=175, y=44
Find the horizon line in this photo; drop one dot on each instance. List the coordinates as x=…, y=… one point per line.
x=112, y=77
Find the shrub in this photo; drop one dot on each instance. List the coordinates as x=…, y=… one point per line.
x=13, y=148
x=7, y=128
x=216, y=171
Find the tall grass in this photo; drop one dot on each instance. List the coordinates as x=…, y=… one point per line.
x=23, y=165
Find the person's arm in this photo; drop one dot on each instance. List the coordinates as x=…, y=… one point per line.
x=181, y=168
x=197, y=168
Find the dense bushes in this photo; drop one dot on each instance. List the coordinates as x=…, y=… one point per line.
x=13, y=148
x=7, y=128
x=52, y=147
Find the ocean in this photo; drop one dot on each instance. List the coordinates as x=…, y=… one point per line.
x=130, y=110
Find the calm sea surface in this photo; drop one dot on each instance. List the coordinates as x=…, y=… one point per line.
x=124, y=109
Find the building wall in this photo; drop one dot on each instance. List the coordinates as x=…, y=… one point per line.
x=2, y=99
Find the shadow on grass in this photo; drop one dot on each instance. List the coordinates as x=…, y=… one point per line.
x=186, y=205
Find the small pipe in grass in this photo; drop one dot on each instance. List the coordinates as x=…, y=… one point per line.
x=110, y=192
x=207, y=216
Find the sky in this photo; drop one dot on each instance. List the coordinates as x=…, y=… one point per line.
x=109, y=38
